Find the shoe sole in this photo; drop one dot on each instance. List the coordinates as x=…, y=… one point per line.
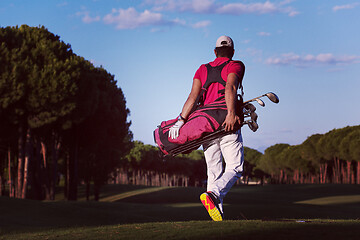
x=210, y=207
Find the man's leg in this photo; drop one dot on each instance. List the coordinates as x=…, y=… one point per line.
x=233, y=153
x=214, y=172
x=214, y=163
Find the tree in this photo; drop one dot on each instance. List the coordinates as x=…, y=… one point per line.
x=251, y=160
x=308, y=151
x=104, y=136
x=54, y=108
x=295, y=163
x=34, y=86
x=350, y=149
x=329, y=148
x=144, y=166
x=271, y=164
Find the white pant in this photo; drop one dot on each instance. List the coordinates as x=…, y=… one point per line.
x=230, y=148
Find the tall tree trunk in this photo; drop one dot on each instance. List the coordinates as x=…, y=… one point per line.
x=358, y=173
x=10, y=180
x=45, y=171
x=281, y=176
x=72, y=172
x=54, y=175
x=20, y=170
x=25, y=178
x=296, y=177
x=66, y=188
x=28, y=156
x=37, y=172
x=336, y=171
x=348, y=168
x=323, y=173
x=343, y=176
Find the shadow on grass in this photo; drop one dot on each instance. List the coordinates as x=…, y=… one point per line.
x=269, y=202
x=273, y=202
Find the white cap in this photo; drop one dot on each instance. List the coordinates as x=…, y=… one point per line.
x=224, y=41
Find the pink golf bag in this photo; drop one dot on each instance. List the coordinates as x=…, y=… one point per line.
x=203, y=123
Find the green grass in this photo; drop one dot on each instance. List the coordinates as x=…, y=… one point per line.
x=135, y=212
x=252, y=229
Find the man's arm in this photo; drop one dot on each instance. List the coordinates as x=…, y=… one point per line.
x=188, y=106
x=230, y=99
x=195, y=91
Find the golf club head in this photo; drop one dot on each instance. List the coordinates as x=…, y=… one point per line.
x=253, y=126
x=273, y=97
x=250, y=107
x=260, y=102
x=253, y=116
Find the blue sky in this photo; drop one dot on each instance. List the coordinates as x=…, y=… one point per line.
x=307, y=52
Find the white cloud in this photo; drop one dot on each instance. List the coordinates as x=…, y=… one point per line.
x=257, y=8
x=310, y=60
x=86, y=17
x=241, y=8
x=209, y=6
x=201, y=24
x=343, y=7
x=202, y=5
x=179, y=21
x=289, y=10
x=130, y=18
x=198, y=6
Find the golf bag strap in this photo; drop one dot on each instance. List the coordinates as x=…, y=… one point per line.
x=213, y=76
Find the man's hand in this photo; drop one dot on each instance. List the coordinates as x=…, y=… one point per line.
x=230, y=121
x=174, y=130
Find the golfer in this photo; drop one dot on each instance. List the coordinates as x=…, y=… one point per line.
x=228, y=148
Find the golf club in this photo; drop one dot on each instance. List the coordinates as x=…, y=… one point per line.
x=252, y=125
x=260, y=102
x=252, y=115
x=250, y=107
x=272, y=96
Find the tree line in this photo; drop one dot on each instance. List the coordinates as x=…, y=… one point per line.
x=59, y=116
x=333, y=157
x=145, y=166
